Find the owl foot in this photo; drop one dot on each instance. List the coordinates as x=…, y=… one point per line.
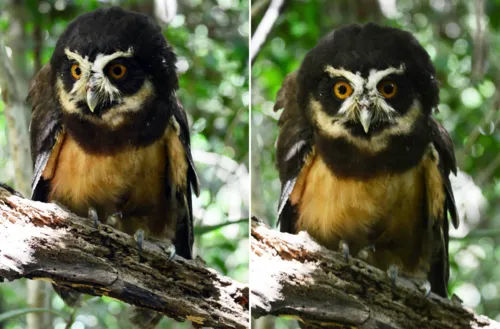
x=93, y=217
x=392, y=273
x=113, y=219
x=425, y=287
x=422, y=284
x=166, y=246
x=139, y=239
x=365, y=252
x=344, y=249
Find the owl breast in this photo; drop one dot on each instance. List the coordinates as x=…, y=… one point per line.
x=109, y=183
x=385, y=211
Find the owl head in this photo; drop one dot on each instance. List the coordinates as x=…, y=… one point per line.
x=364, y=81
x=110, y=64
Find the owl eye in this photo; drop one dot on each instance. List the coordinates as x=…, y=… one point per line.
x=76, y=72
x=117, y=71
x=388, y=89
x=342, y=90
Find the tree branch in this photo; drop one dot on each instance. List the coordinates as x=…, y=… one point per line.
x=42, y=241
x=264, y=28
x=293, y=275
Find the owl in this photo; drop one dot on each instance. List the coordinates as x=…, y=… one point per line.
x=363, y=164
x=109, y=139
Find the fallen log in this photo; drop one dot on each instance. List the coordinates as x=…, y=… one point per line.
x=44, y=241
x=293, y=276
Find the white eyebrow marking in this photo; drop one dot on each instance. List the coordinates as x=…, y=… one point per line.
x=375, y=76
x=356, y=81
x=102, y=60
x=75, y=56
x=85, y=67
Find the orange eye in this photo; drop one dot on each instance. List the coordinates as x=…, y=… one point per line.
x=117, y=71
x=76, y=72
x=388, y=89
x=342, y=90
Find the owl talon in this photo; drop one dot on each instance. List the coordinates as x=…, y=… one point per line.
x=344, y=248
x=113, y=219
x=139, y=238
x=169, y=250
x=167, y=247
x=365, y=252
x=392, y=272
x=425, y=287
x=93, y=217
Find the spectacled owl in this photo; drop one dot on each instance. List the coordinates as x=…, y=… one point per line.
x=361, y=160
x=109, y=137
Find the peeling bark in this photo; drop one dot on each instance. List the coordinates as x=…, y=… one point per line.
x=294, y=276
x=43, y=241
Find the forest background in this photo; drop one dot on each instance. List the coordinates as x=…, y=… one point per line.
x=463, y=39
x=210, y=38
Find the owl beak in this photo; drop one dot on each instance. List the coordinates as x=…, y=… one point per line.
x=91, y=100
x=365, y=116
x=92, y=96
x=366, y=119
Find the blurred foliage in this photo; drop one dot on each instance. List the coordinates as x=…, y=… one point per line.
x=468, y=65
x=210, y=39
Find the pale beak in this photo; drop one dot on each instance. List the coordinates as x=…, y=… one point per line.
x=92, y=95
x=366, y=119
x=92, y=99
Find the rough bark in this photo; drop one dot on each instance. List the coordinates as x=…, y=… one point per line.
x=43, y=241
x=294, y=276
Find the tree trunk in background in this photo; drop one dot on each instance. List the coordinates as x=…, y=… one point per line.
x=14, y=82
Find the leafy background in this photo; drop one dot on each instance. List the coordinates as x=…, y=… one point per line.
x=463, y=40
x=210, y=39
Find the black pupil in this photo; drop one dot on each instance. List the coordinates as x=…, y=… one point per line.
x=342, y=89
x=78, y=71
x=117, y=70
x=388, y=88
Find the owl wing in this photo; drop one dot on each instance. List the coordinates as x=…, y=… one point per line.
x=440, y=269
x=184, y=236
x=45, y=128
x=294, y=146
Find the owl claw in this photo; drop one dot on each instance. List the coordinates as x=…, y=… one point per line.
x=167, y=247
x=425, y=287
x=139, y=238
x=169, y=250
x=93, y=217
x=365, y=252
x=392, y=272
x=344, y=248
x=113, y=219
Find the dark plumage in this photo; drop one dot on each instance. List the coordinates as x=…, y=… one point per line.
x=108, y=133
x=360, y=158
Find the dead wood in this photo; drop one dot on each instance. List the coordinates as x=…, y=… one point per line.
x=43, y=241
x=293, y=276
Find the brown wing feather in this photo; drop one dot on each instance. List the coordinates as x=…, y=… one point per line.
x=45, y=127
x=440, y=268
x=184, y=238
x=293, y=147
